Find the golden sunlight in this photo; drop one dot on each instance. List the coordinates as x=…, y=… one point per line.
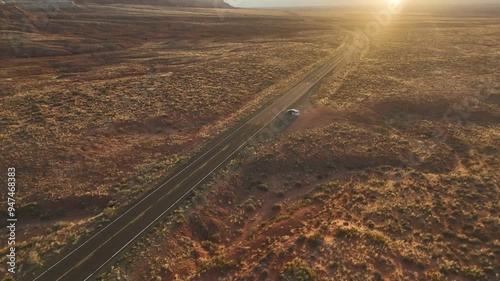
x=395, y=2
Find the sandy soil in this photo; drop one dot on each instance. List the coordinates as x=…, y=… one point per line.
x=390, y=173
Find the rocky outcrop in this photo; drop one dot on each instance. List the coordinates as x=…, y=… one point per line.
x=41, y=4
x=170, y=3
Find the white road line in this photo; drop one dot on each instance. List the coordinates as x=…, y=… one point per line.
x=142, y=214
x=81, y=262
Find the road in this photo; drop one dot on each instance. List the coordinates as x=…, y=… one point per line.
x=93, y=255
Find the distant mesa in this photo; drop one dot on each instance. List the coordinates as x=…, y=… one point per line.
x=67, y=4
x=169, y=3
x=40, y=4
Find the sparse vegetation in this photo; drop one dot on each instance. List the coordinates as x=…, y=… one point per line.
x=367, y=188
x=98, y=118
x=297, y=270
x=381, y=178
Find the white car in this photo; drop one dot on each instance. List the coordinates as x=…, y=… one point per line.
x=293, y=112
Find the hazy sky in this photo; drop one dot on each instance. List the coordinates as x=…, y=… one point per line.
x=302, y=3
x=284, y=3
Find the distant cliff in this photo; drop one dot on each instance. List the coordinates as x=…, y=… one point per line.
x=64, y=4
x=171, y=3
x=40, y=4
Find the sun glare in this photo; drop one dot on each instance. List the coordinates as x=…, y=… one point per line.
x=395, y=2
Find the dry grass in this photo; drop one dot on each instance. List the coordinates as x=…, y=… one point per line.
x=391, y=185
x=133, y=95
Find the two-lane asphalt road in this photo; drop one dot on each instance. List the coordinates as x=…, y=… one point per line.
x=90, y=257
